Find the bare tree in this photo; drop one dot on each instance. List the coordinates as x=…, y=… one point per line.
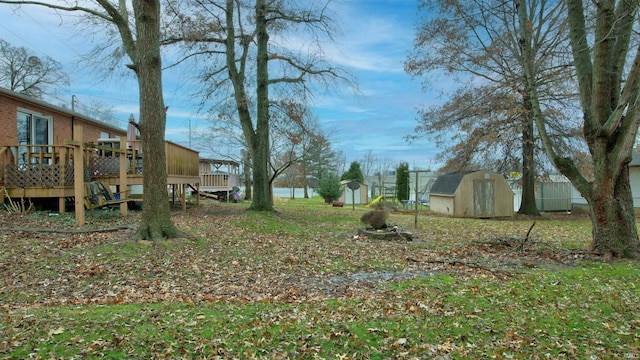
x=139, y=29
x=27, y=73
x=608, y=73
x=340, y=162
x=259, y=64
x=367, y=162
x=488, y=122
x=292, y=129
x=95, y=109
x=293, y=134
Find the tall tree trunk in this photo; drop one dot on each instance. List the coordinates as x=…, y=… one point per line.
x=610, y=118
x=246, y=159
x=156, y=217
x=528, y=201
x=609, y=131
x=262, y=200
x=613, y=218
x=258, y=138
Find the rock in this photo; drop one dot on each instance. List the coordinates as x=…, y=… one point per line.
x=386, y=235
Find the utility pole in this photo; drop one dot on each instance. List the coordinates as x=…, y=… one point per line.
x=415, y=219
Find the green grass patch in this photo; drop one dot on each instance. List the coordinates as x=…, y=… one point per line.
x=583, y=312
x=297, y=283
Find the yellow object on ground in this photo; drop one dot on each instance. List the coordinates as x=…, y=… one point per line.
x=373, y=201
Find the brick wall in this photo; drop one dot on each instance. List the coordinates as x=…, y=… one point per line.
x=8, y=129
x=62, y=122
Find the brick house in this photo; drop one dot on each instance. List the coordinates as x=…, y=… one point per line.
x=37, y=163
x=26, y=120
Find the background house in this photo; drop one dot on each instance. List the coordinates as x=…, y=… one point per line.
x=634, y=177
x=219, y=178
x=479, y=194
x=554, y=193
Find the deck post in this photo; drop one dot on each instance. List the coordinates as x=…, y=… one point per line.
x=61, y=205
x=78, y=174
x=123, y=176
x=62, y=163
x=183, y=194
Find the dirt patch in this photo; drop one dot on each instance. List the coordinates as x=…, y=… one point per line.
x=336, y=285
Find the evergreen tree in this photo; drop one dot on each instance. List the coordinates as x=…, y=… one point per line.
x=402, y=181
x=329, y=187
x=354, y=173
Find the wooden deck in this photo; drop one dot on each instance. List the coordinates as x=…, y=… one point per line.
x=218, y=182
x=182, y=164
x=218, y=176
x=50, y=171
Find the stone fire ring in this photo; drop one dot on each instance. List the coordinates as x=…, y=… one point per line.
x=385, y=234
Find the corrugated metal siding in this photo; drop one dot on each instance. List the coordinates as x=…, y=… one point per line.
x=554, y=196
x=550, y=197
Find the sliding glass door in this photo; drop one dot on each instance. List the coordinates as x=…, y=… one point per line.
x=33, y=129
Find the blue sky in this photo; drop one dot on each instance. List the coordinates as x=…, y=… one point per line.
x=376, y=37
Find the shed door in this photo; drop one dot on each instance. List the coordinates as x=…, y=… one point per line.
x=484, y=198
x=351, y=196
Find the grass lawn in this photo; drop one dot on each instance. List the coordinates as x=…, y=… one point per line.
x=300, y=283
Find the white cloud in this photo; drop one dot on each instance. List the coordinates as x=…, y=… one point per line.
x=376, y=38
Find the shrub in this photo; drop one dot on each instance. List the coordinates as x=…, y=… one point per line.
x=329, y=187
x=377, y=218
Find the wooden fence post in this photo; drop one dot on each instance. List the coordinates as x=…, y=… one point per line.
x=123, y=190
x=78, y=174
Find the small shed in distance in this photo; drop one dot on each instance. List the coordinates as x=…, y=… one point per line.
x=479, y=194
x=354, y=196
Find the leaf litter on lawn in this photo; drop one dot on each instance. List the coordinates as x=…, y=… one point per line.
x=300, y=257
x=236, y=255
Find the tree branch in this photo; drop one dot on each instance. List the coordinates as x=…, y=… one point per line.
x=59, y=7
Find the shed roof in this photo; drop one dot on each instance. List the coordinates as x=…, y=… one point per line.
x=447, y=184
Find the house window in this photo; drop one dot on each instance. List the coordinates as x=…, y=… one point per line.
x=33, y=129
x=104, y=135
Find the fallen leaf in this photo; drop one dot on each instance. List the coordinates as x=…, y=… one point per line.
x=57, y=331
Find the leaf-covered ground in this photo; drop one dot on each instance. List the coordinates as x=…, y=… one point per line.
x=235, y=255
x=304, y=264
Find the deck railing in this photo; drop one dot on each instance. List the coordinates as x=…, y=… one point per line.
x=41, y=165
x=218, y=180
x=105, y=158
x=181, y=160
x=46, y=165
